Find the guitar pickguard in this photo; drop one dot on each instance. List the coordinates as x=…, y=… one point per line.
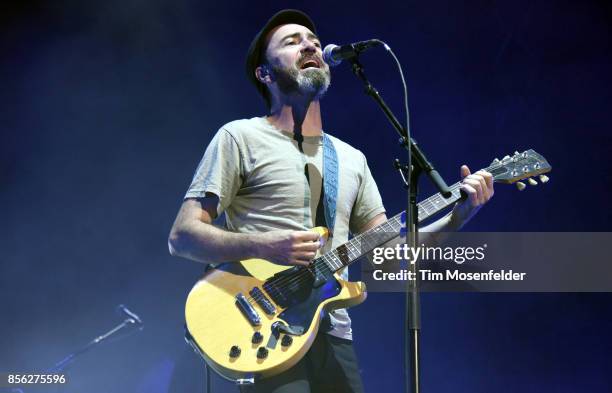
x=301, y=314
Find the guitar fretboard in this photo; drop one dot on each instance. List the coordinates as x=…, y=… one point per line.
x=365, y=242
x=510, y=169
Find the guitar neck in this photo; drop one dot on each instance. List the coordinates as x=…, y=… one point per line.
x=508, y=170
x=365, y=242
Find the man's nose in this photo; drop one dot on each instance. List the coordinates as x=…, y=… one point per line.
x=308, y=46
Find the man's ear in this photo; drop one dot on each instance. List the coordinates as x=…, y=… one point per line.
x=264, y=74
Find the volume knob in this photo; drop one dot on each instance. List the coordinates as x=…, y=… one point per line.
x=257, y=338
x=234, y=351
x=262, y=353
x=287, y=340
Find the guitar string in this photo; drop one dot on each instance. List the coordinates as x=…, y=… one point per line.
x=321, y=265
x=305, y=274
x=302, y=275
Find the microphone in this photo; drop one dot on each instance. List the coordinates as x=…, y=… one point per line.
x=334, y=54
x=126, y=311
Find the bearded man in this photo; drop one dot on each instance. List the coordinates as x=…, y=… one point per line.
x=268, y=175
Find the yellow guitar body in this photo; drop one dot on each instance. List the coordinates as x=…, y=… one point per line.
x=217, y=324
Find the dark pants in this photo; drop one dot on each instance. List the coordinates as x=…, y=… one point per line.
x=329, y=366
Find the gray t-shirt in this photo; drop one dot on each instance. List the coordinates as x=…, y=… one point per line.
x=265, y=183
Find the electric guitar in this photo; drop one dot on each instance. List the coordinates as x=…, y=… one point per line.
x=254, y=319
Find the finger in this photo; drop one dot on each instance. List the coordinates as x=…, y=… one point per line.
x=486, y=176
x=306, y=247
x=304, y=256
x=306, y=236
x=472, y=195
x=489, y=180
x=483, y=186
x=476, y=186
x=465, y=171
x=299, y=262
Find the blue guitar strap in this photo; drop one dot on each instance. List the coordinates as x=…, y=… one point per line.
x=330, y=181
x=330, y=188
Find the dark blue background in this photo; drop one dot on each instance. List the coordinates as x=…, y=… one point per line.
x=106, y=108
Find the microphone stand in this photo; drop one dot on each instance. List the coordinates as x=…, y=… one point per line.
x=65, y=362
x=417, y=164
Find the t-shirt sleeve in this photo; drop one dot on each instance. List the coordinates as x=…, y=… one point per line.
x=368, y=203
x=219, y=172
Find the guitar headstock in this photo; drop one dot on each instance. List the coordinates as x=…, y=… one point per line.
x=519, y=166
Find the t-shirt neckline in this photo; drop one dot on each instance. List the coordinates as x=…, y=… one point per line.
x=310, y=139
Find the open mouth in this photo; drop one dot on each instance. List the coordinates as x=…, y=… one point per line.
x=310, y=63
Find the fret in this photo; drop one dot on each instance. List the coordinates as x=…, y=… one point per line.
x=365, y=241
x=395, y=223
x=334, y=263
x=321, y=266
x=329, y=261
x=337, y=261
x=351, y=250
x=429, y=208
x=423, y=214
x=357, y=242
x=387, y=226
x=343, y=255
x=374, y=237
x=439, y=204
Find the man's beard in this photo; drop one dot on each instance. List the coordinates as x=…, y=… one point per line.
x=312, y=82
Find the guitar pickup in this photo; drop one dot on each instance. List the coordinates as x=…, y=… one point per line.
x=263, y=301
x=248, y=310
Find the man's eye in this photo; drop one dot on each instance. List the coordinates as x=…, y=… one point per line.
x=317, y=44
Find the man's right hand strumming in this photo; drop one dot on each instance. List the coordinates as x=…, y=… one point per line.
x=288, y=247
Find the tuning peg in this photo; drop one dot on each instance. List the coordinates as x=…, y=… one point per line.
x=516, y=153
x=532, y=182
x=520, y=185
x=506, y=158
x=496, y=161
x=544, y=179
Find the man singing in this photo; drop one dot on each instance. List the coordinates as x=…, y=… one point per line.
x=274, y=179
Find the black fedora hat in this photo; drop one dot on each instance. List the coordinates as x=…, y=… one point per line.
x=256, y=50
